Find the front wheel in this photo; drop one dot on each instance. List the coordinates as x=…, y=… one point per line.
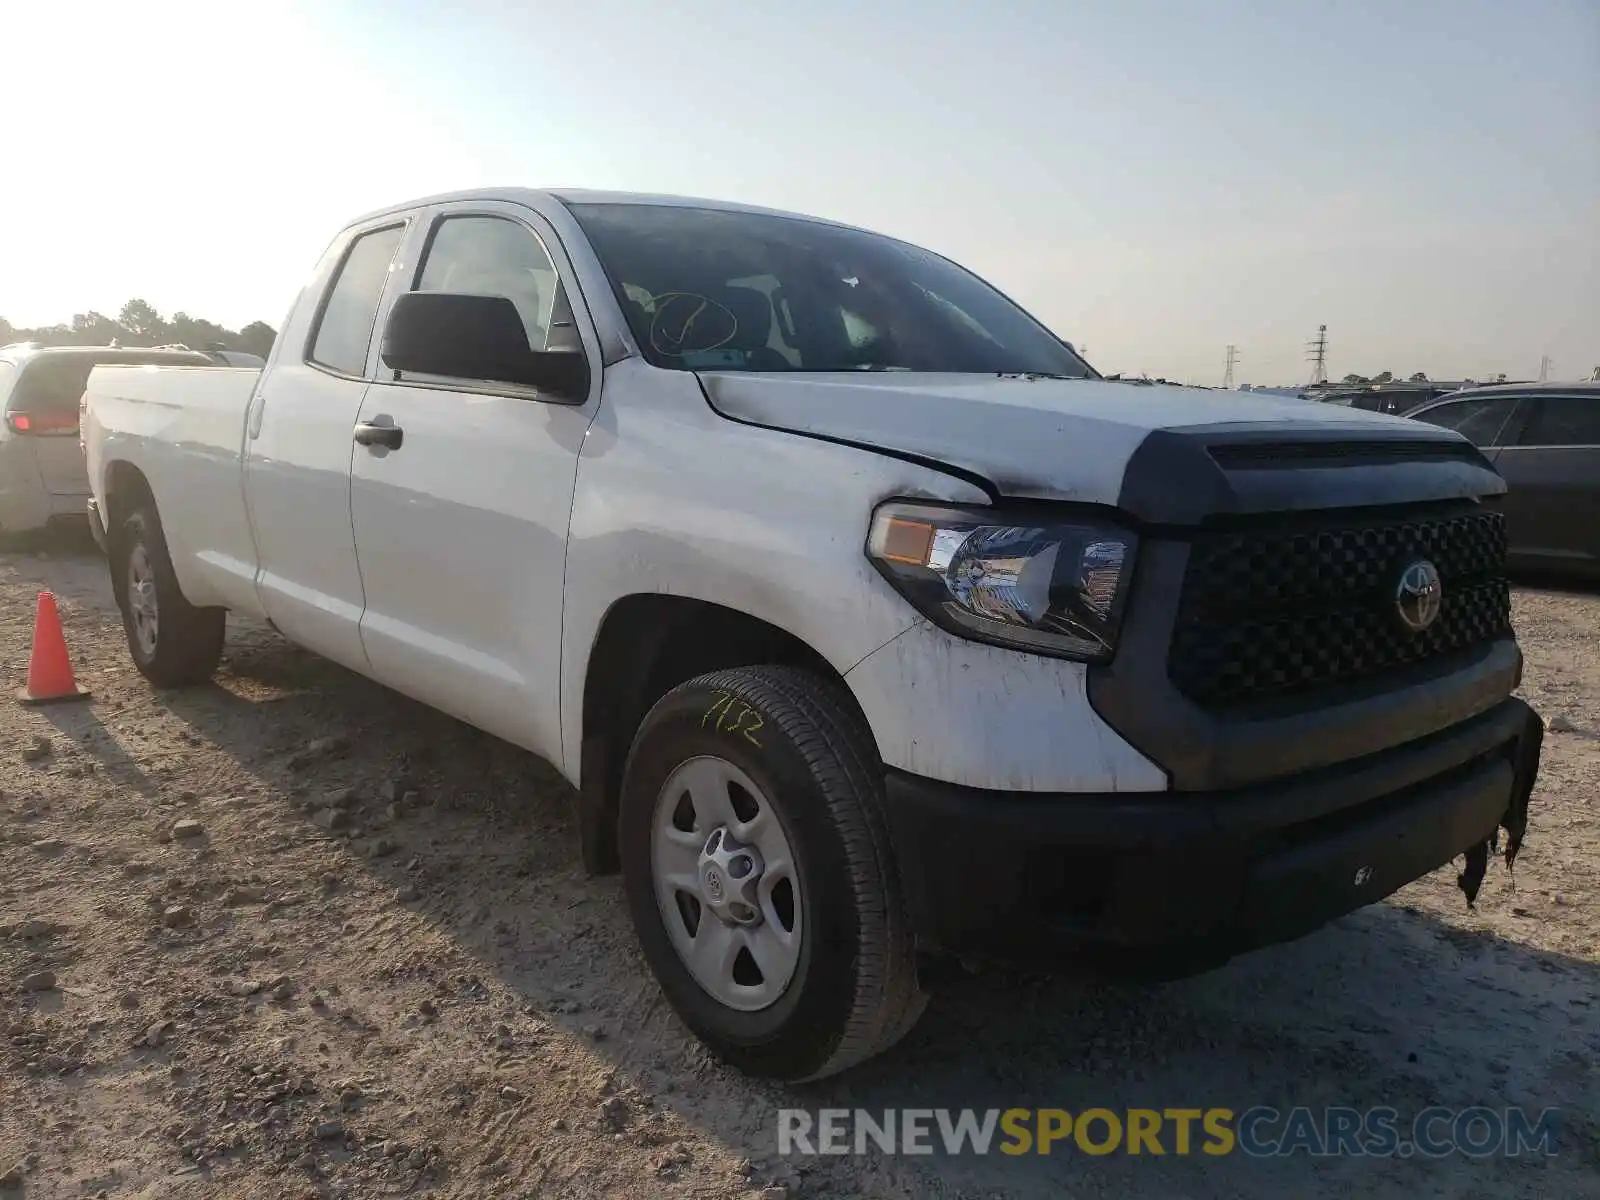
x=172, y=642
x=759, y=876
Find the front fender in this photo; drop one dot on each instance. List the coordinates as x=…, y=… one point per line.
x=672, y=499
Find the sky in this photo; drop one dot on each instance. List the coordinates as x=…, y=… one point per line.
x=1154, y=179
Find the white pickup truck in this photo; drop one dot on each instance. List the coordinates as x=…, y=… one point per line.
x=879, y=635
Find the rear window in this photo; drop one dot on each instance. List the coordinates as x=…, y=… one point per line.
x=51, y=385
x=344, y=328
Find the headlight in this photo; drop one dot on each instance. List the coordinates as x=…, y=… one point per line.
x=1040, y=583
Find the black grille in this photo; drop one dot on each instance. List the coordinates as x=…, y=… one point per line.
x=1277, y=612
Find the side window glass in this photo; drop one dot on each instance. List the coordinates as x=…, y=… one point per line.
x=1447, y=415
x=493, y=256
x=1564, y=421
x=1483, y=425
x=344, y=331
x=1480, y=421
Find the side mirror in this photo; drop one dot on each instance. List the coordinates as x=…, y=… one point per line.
x=480, y=338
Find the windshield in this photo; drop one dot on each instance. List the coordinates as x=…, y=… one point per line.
x=712, y=290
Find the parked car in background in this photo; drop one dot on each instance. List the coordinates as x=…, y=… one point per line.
x=42, y=476
x=1397, y=397
x=221, y=356
x=1292, y=393
x=235, y=358
x=1544, y=438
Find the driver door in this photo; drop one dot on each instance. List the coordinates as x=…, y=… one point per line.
x=461, y=523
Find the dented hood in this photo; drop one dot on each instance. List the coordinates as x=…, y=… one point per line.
x=1028, y=437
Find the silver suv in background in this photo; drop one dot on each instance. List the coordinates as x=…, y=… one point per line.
x=42, y=475
x=1544, y=438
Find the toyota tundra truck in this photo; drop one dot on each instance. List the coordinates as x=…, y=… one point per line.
x=878, y=634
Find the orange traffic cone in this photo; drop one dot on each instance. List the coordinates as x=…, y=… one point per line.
x=49, y=669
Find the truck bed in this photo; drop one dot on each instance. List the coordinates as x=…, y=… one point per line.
x=185, y=428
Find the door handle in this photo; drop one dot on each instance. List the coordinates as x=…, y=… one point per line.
x=389, y=436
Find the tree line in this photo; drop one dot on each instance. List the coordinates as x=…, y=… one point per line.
x=139, y=324
x=1388, y=377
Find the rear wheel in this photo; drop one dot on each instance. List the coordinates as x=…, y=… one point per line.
x=172, y=642
x=759, y=876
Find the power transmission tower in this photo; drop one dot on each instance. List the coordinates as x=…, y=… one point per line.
x=1544, y=368
x=1227, y=375
x=1317, y=352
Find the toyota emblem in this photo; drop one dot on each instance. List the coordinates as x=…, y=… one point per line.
x=714, y=888
x=1418, y=595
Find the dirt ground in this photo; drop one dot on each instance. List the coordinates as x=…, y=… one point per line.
x=377, y=969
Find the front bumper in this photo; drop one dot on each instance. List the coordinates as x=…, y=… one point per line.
x=1173, y=883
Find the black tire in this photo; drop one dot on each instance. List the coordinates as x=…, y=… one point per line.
x=854, y=992
x=188, y=640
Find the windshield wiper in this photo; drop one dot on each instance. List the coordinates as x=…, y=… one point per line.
x=1035, y=375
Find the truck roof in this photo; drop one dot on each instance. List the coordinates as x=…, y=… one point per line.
x=589, y=196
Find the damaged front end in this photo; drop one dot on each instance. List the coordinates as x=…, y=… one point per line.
x=1525, y=762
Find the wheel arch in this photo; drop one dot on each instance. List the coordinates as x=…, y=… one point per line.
x=645, y=645
x=125, y=487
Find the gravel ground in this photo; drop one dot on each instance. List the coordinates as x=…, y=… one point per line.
x=372, y=966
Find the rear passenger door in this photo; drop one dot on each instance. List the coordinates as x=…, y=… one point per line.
x=298, y=447
x=1552, y=468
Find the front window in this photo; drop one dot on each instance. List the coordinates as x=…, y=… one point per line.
x=713, y=290
x=493, y=256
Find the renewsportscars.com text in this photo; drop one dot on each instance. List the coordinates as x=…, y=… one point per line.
x=1258, y=1132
